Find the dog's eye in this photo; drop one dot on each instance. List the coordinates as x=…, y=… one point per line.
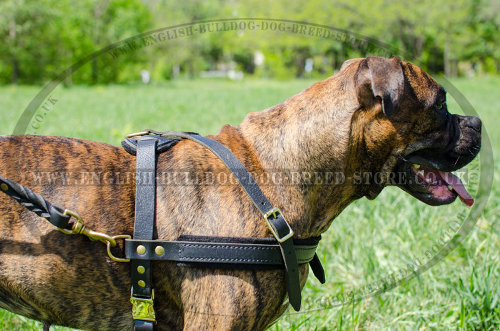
x=440, y=106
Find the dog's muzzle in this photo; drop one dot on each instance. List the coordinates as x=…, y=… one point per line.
x=428, y=171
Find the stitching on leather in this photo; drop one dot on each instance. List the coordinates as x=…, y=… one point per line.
x=224, y=259
x=229, y=247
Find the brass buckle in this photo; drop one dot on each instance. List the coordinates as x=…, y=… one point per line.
x=79, y=228
x=76, y=227
x=143, y=309
x=108, y=248
x=274, y=212
x=138, y=134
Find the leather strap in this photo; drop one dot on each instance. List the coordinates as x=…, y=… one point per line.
x=279, y=227
x=276, y=221
x=145, y=201
x=140, y=325
x=168, y=139
x=317, y=269
x=233, y=253
x=232, y=163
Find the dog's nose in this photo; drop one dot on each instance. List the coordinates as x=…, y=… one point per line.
x=474, y=122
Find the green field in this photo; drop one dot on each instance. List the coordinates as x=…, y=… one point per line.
x=367, y=242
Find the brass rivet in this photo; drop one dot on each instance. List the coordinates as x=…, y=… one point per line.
x=4, y=187
x=141, y=269
x=159, y=250
x=141, y=283
x=141, y=249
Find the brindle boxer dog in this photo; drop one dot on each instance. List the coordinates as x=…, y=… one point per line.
x=376, y=115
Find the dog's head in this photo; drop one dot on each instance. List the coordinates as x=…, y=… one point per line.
x=406, y=127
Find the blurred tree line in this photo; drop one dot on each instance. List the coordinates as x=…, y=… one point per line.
x=41, y=38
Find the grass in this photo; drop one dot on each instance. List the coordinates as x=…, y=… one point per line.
x=367, y=243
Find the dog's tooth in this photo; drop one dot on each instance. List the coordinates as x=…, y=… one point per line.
x=416, y=166
x=421, y=172
x=450, y=187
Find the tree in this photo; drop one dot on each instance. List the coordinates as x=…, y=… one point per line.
x=43, y=37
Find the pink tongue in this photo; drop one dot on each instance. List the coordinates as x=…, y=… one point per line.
x=458, y=186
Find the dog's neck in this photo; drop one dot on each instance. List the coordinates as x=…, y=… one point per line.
x=302, y=146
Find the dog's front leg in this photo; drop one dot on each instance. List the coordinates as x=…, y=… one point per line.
x=231, y=300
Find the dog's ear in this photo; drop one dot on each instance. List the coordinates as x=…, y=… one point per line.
x=348, y=62
x=381, y=79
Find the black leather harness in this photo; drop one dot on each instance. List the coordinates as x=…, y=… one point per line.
x=279, y=251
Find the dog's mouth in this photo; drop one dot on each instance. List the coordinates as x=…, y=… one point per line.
x=433, y=186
